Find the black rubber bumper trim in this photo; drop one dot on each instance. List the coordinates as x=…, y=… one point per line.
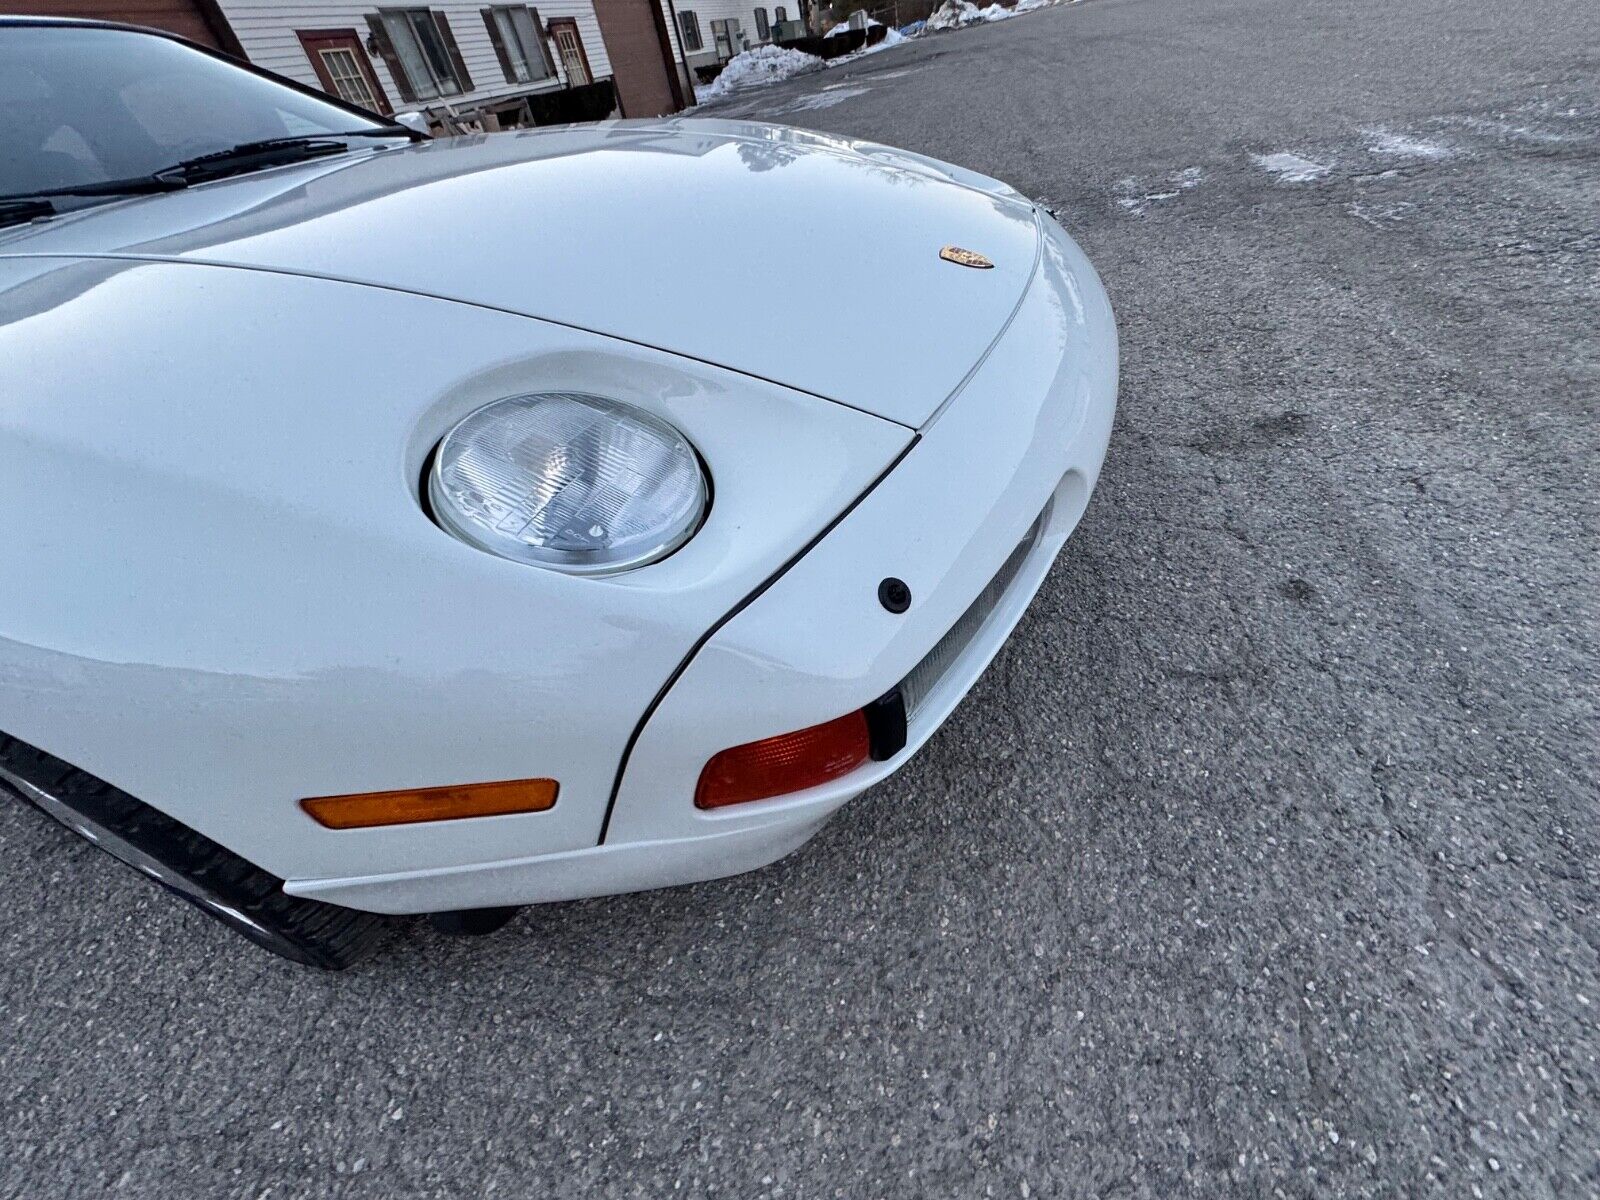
x=886, y=725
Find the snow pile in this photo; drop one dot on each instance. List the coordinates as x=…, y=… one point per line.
x=756, y=67
x=958, y=14
x=845, y=26
x=953, y=14
x=892, y=37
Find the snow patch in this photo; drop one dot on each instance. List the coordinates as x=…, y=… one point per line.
x=1516, y=133
x=1381, y=141
x=827, y=98
x=756, y=68
x=1290, y=168
x=1135, y=200
x=1380, y=215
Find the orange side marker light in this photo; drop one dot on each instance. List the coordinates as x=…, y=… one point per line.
x=413, y=805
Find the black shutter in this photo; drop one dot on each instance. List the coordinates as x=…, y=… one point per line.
x=443, y=24
x=380, y=39
x=544, y=44
x=499, y=44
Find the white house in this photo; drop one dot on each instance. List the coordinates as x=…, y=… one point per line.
x=713, y=31
x=486, y=66
x=495, y=66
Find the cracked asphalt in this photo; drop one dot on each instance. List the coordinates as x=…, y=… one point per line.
x=1262, y=863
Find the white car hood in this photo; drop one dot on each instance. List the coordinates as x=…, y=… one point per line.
x=807, y=260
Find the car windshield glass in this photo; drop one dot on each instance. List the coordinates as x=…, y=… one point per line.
x=83, y=106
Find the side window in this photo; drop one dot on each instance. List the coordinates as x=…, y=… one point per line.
x=780, y=14
x=690, y=25
x=763, y=29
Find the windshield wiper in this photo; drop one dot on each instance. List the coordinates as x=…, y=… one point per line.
x=111, y=187
x=20, y=212
x=250, y=156
x=270, y=152
x=247, y=156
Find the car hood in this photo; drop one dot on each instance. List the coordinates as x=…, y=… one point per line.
x=808, y=260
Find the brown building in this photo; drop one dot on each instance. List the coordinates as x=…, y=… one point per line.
x=198, y=20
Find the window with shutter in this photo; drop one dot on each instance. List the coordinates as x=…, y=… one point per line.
x=423, y=54
x=514, y=31
x=379, y=41
x=763, y=29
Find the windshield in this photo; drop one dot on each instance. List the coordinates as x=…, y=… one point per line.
x=84, y=106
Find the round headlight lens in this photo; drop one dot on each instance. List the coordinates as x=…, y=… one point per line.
x=570, y=481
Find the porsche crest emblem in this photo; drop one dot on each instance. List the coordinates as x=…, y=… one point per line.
x=965, y=258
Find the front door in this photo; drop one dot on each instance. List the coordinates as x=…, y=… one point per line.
x=345, y=71
x=564, y=33
x=726, y=35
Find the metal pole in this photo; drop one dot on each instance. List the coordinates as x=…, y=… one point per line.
x=683, y=55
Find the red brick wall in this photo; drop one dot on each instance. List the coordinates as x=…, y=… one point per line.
x=186, y=17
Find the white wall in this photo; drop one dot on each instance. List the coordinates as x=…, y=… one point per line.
x=718, y=10
x=267, y=30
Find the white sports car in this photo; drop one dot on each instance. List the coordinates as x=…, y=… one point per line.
x=402, y=526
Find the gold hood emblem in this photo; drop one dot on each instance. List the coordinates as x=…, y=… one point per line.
x=965, y=258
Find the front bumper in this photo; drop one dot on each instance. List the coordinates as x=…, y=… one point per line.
x=1020, y=443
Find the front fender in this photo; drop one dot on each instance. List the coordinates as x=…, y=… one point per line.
x=223, y=594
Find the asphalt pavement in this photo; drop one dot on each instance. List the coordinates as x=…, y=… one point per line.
x=1263, y=862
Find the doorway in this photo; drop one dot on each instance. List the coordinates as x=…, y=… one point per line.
x=569, y=45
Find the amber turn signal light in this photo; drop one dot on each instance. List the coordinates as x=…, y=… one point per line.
x=790, y=762
x=409, y=807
